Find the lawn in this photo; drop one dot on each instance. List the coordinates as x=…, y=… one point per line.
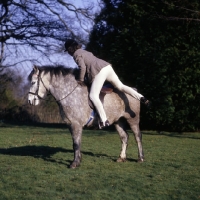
x=35, y=165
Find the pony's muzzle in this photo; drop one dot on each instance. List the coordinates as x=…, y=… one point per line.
x=33, y=100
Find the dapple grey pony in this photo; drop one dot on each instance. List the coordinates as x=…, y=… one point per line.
x=72, y=100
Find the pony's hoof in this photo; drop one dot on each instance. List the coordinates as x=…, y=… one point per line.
x=140, y=160
x=121, y=159
x=74, y=165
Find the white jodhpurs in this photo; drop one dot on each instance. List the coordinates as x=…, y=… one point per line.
x=107, y=74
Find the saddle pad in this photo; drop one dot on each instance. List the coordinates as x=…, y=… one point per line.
x=104, y=90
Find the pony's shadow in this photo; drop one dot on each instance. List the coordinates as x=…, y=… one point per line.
x=44, y=152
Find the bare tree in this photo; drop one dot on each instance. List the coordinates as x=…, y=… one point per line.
x=39, y=27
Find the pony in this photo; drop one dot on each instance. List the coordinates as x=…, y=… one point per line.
x=76, y=112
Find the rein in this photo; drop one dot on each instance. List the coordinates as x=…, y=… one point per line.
x=68, y=94
x=38, y=86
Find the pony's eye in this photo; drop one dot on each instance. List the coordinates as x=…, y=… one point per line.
x=32, y=83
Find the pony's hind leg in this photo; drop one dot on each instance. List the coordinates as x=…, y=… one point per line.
x=124, y=140
x=138, y=137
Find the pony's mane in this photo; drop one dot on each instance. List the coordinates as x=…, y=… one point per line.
x=56, y=70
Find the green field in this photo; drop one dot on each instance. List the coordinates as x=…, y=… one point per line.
x=35, y=165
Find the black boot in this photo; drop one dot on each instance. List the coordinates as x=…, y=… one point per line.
x=107, y=123
x=145, y=102
x=101, y=125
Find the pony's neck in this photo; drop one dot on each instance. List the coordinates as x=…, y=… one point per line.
x=60, y=86
x=45, y=78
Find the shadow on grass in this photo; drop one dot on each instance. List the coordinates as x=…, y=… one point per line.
x=33, y=124
x=45, y=153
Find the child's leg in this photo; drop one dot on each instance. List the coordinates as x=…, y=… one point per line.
x=113, y=78
x=95, y=89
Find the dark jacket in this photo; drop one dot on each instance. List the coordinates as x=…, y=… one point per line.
x=88, y=64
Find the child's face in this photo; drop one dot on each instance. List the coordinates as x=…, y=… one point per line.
x=70, y=53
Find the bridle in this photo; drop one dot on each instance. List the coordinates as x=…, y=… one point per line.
x=38, y=86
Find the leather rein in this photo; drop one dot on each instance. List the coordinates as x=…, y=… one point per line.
x=38, y=86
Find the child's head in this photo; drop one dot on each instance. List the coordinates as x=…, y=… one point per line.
x=71, y=46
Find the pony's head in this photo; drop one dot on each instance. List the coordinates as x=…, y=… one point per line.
x=43, y=77
x=38, y=90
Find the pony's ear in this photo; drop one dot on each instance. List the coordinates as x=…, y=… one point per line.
x=36, y=70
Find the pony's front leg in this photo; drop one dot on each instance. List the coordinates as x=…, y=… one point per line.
x=76, y=132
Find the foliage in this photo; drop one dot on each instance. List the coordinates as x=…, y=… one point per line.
x=7, y=96
x=47, y=111
x=155, y=47
x=35, y=160
x=11, y=99
x=14, y=104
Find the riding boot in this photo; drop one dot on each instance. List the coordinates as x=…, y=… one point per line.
x=101, y=125
x=146, y=102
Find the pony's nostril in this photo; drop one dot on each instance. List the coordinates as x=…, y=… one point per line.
x=29, y=101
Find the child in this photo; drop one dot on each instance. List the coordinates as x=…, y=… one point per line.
x=98, y=71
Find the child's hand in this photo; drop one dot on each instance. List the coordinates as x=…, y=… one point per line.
x=81, y=83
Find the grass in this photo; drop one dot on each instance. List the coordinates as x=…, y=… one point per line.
x=35, y=160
